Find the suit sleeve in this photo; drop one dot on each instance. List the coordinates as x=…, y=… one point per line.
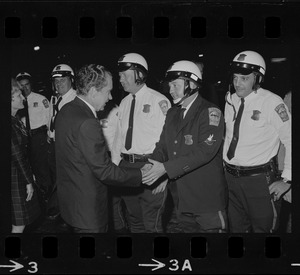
x=91, y=142
x=210, y=138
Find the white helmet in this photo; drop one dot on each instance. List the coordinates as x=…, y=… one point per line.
x=23, y=75
x=247, y=62
x=186, y=70
x=132, y=61
x=62, y=70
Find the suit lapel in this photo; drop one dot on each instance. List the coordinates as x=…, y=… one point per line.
x=190, y=114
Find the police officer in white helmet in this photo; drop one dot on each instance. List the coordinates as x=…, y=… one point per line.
x=256, y=121
x=63, y=85
x=141, y=118
x=189, y=154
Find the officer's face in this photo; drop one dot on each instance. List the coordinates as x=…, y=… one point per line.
x=17, y=99
x=176, y=88
x=25, y=86
x=62, y=84
x=127, y=80
x=103, y=95
x=243, y=84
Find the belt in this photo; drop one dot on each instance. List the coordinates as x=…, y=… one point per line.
x=41, y=129
x=244, y=171
x=132, y=158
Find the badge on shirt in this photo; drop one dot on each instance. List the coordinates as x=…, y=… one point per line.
x=146, y=108
x=46, y=104
x=103, y=123
x=282, y=112
x=188, y=139
x=163, y=106
x=256, y=115
x=210, y=140
x=35, y=104
x=214, y=116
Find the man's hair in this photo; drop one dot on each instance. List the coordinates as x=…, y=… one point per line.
x=89, y=76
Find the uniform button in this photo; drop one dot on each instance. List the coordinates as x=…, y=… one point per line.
x=175, y=141
x=174, y=153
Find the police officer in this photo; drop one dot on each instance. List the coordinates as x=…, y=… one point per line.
x=36, y=123
x=189, y=153
x=256, y=121
x=63, y=84
x=141, y=118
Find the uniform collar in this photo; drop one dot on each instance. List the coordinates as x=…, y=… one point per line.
x=141, y=92
x=68, y=93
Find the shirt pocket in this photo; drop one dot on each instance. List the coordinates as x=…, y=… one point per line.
x=256, y=120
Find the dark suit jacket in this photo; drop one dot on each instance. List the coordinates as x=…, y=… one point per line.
x=191, y=150
x=84, y=167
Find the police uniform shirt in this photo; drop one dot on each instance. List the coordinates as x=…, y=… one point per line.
x=38, y=110
x=67, y=97
x=149, y=117
x=264, y=123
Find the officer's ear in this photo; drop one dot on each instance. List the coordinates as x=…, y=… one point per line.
x=193, y=85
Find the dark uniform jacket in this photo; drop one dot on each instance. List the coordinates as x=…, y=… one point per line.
x=192, y=155
x=84, y=167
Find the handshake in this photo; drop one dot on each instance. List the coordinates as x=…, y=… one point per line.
x=151, y=172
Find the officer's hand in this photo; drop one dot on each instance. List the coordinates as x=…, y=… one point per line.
x=160, y=188
x=48, y=139
x=278, y=188
x=145, y=168
x=29, y=190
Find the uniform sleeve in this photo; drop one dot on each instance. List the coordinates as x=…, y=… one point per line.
x=117, y=142
x=46, y=108
x=160, y=152
x=210, y=138
x=280, y=119
x=21, y=161
x=92, y=145
x=109, y=130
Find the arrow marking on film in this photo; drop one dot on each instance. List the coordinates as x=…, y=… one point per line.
x=158, y=265
x=15, y=266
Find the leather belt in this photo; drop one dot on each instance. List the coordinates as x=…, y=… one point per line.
x=244, y=171
x=42, y=129
x=132, y=158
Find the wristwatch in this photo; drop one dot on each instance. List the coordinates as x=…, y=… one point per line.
x=286, y=180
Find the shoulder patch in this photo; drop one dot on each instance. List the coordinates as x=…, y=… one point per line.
x=163, y=104
x=46, y=103
x=282, y=112
x=214, y=115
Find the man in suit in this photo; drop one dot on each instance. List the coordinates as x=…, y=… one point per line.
x=189, y=153
x=83, y=164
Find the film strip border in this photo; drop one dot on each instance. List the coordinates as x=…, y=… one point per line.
x=143, y=253
x=184, y=19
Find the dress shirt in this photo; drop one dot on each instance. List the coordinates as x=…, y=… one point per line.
x=188, y=106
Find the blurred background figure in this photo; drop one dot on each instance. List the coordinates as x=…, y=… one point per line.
x=25, y=207
x=35, y=116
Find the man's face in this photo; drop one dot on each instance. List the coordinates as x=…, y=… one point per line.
x=243, y=84
x=103, y=96
x=62, y=84
x=177, y=88
x=17, y=99
x=127, y=80
x=25, y=86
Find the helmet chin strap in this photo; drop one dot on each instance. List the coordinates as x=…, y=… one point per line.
x=188, y=93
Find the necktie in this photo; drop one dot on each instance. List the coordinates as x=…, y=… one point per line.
x=128, y=140
x=55, y=111
x=235, y=137
x=181, y=115
x=27, y=116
